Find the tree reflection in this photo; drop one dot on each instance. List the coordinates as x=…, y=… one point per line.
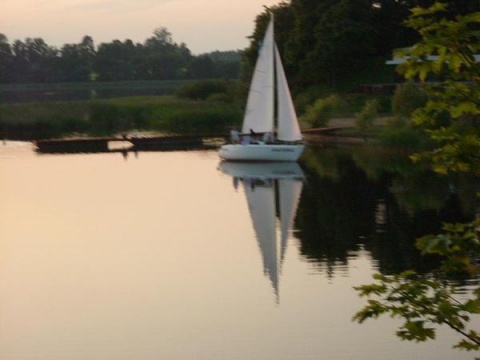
x=379, y=200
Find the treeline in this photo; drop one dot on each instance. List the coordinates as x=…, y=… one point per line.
x=324, y=43
x=341, y=43
x=158, y=58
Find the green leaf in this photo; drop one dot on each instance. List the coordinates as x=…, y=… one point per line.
x=416, y=330
x=472, y=306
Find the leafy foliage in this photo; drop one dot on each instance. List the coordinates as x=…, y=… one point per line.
x=399, y=134
x=459, y=243
x=338, y=44
x=422, y=304
x=205, y=89
x=366, y=117
x=445, y=55
x=321, y=111
x=408, y=97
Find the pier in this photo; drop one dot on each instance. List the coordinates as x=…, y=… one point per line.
x=154, y=143
x=150, y=143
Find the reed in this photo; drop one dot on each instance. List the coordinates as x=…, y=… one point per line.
x=167, y=114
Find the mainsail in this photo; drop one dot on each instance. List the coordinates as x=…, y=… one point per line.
x=259, y=112
x=268, y=74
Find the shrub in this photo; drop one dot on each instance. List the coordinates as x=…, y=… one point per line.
x=219, y=98
x=104, y=119
x=404, y=137
x=356, y=102
x=199, y=119
x=320, y=113
x=366, y=117
x=27, y=121
x=407, y=98
x=307, y=97
x=203, y=89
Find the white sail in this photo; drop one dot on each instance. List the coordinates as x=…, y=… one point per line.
x=259, y=112
x=288, y=128
x=261, y=203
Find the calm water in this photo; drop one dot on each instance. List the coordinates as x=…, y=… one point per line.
x=167, y=255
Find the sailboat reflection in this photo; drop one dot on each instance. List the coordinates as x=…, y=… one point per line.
x=273, y=191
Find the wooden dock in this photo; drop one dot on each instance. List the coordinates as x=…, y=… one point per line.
x=155, y=143
x=151, y=143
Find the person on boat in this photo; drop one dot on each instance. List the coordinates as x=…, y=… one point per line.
x=253, y=136
x=245, y=139
x=235, y=136
x=268, y=137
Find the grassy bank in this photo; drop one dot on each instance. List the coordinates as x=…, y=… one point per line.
x=15, y=93
x=203, y=107
x=166, y=114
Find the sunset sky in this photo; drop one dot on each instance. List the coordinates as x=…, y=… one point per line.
x=203, y=25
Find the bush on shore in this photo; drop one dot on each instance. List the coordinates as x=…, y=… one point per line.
x=408, y=97
x=209, y=90
x=400, y=134
x=321, y=111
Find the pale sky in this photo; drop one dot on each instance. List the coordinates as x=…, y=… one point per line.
x=203, y=25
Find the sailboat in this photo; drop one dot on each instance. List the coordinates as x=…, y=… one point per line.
x=273, y=192
x=259, y=116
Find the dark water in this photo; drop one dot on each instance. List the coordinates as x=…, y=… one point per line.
x=380, y=201
x=166, y=255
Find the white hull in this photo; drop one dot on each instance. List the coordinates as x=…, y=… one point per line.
x=261, y=152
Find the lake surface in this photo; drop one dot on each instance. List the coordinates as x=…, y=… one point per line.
x=168, y=255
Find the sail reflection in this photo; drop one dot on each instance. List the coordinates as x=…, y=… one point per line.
x=273, y=192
